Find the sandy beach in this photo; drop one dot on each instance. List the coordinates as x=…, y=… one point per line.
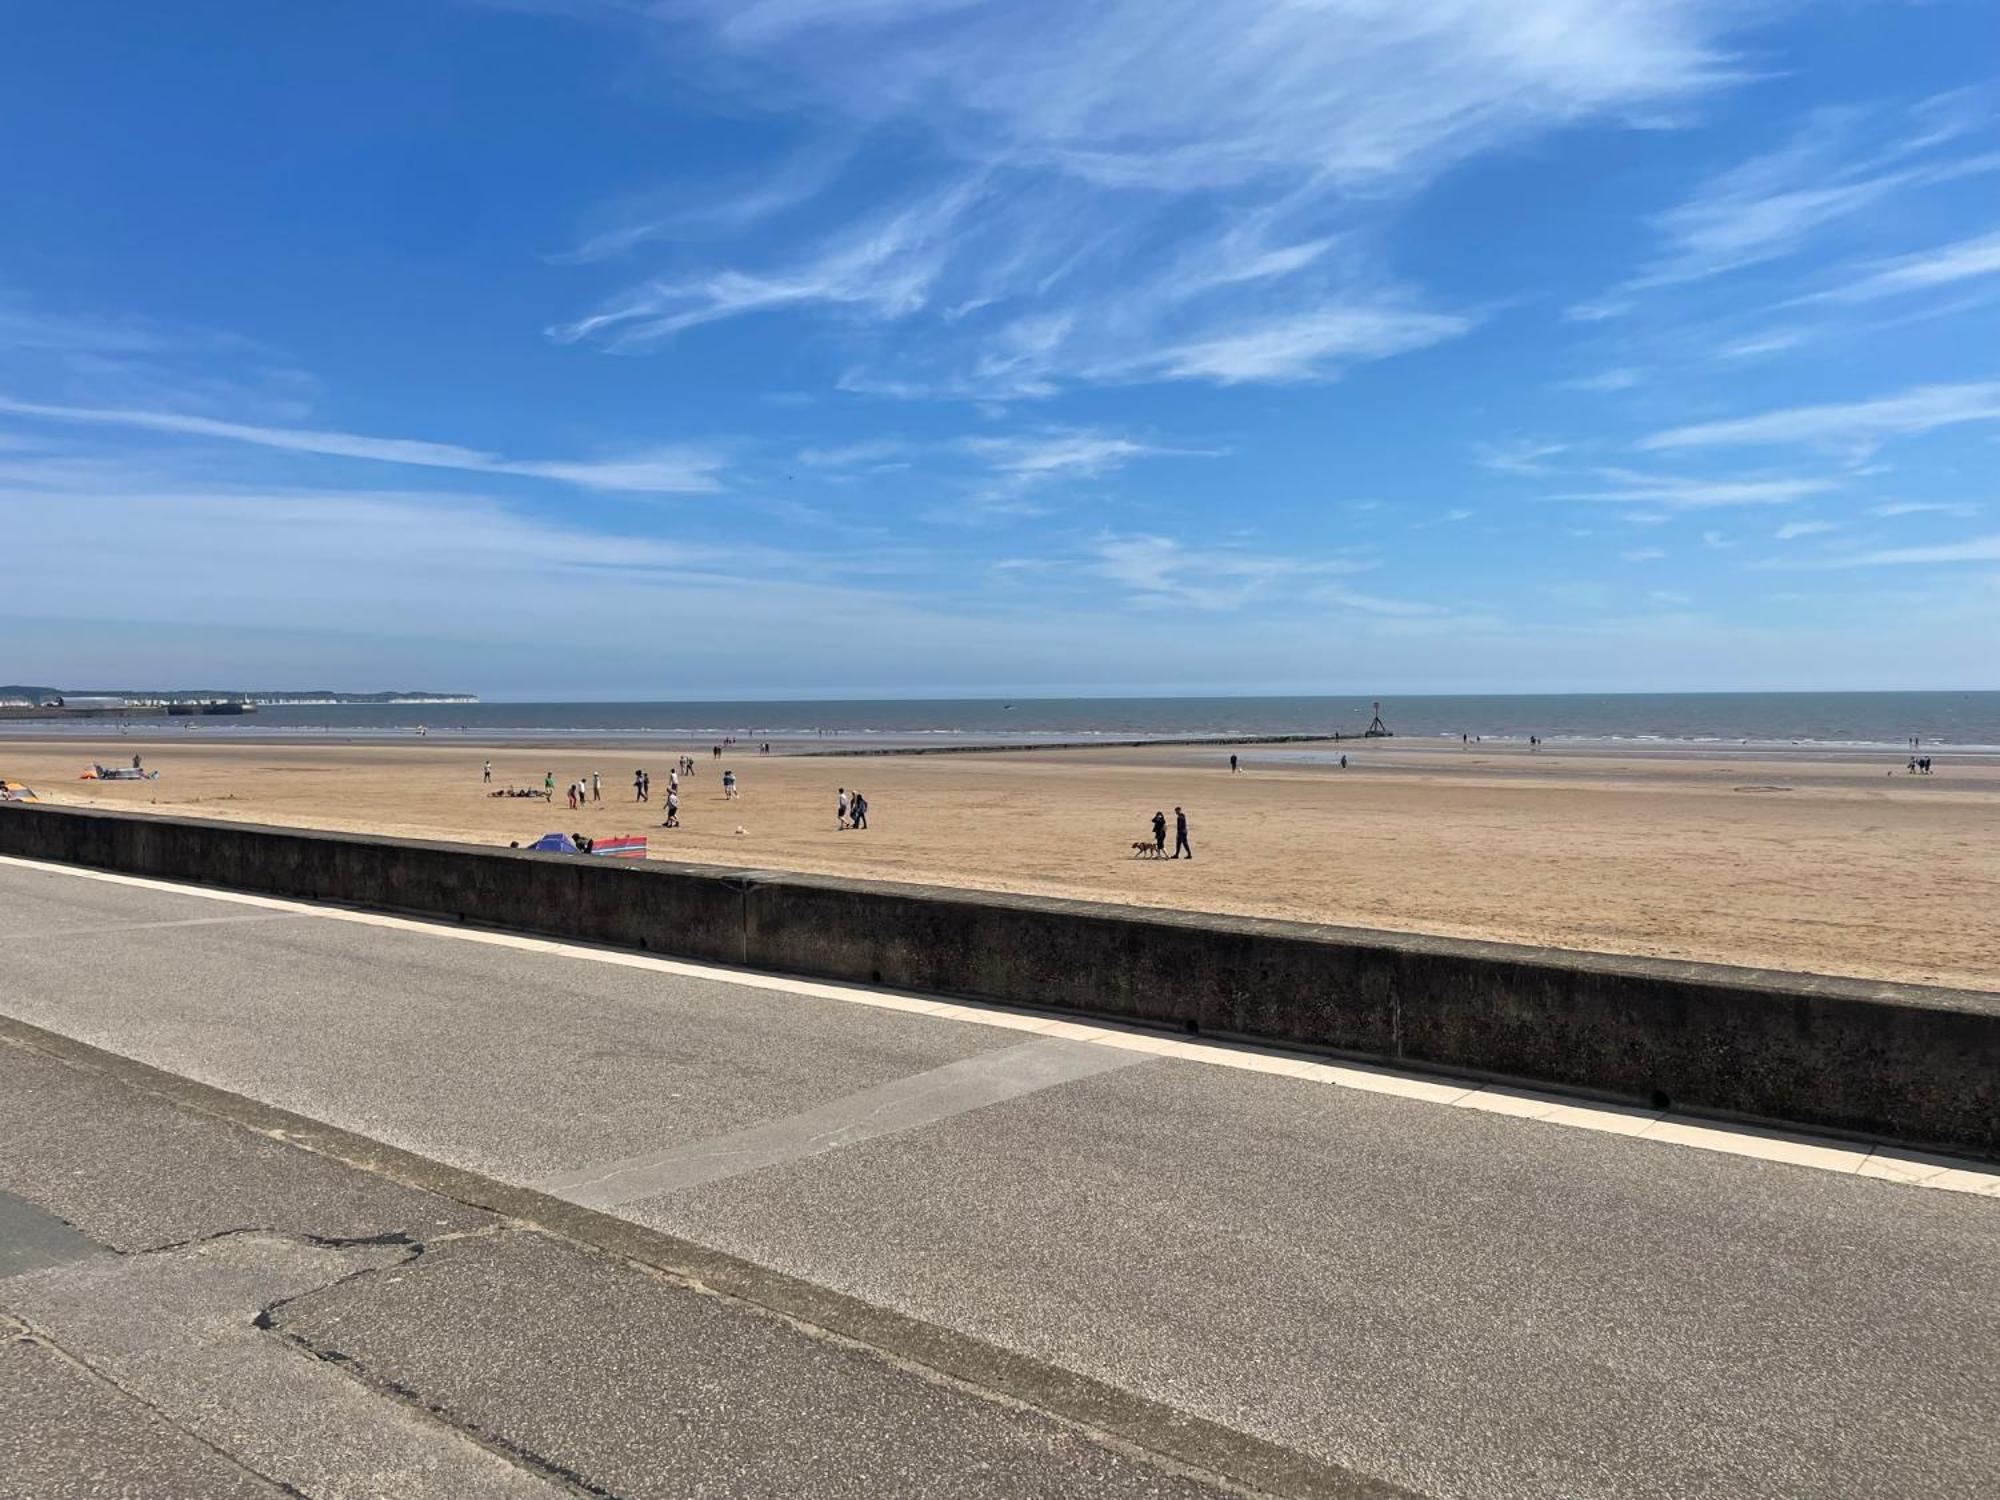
x=1830, y=865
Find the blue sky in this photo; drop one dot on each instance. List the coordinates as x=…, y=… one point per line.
x=859, y=347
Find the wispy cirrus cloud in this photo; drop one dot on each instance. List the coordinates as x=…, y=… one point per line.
x=1163, y=570
x=1068, y=453
x=655, y=471
x=1020, y=467
x=1672, y=492
x=887, y=268
x=1150, y=190
x=1842, y=164
x=866, y=454
x=1973, y=549
x=1517, y=455
x=1895, y=508
x=1851, y=425
x=1941, y=266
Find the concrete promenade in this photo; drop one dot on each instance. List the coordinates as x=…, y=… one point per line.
x=293, y=1197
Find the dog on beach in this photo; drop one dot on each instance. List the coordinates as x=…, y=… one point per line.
x=1145, y=849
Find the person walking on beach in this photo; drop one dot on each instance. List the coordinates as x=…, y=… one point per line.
x=840, y=806
x=673, y=810
x=596, y=786
x=1233, y=766
x=858, y=810
x=729, y=786
x=1181, y=844
x=1159, y=833
x=673, y=780
x=1343, y=762
x=549, y=785
x=487, y=774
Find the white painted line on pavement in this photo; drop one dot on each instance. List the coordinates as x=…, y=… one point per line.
x=891, y=1108
x=1887, y=1163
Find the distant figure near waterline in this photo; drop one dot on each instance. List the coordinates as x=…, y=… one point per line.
x=1181, y=844
x=1233, y=766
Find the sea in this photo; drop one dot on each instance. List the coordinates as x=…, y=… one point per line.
x=1961, y=721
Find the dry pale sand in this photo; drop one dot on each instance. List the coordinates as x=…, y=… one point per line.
x=1820, y=865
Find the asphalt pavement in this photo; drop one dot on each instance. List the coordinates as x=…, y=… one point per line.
x=955, y=1253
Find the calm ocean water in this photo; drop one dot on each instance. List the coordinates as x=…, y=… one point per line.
x=1962, y=720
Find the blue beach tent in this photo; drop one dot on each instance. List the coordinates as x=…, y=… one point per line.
x=554, y=843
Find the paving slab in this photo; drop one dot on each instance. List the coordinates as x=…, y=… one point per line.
x=640, y=1388
x=180, y=1331
x=69, y=1435
x=134, y=1172
x=32, y=1239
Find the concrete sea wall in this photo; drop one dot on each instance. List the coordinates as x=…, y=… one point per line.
x=1900, y=1062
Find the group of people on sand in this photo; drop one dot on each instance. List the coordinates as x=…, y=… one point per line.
x=587, y=790
x=1181, y=844
x=850, y=809
x=1920, y=765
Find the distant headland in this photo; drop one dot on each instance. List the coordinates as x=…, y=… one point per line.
x=28, y=701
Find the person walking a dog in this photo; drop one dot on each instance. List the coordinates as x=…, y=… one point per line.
x=1180, y=835
x=1159, y=834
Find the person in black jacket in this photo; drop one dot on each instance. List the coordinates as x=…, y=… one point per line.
x=1159, y=833
x=1180, y=835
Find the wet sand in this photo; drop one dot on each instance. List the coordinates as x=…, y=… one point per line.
x=1811, y=862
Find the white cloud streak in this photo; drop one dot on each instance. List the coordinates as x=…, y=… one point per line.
x=1142, y=190
x=1161, y=570
x=1975, y=549
x=1841, y=165
x=1854, y=424
x=1675, y=493
x=1922, y=508
x=1944, y=265
x=666, y=470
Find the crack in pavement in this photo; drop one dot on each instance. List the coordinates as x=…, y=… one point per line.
x=184, y=1331
x=1116, y=1419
